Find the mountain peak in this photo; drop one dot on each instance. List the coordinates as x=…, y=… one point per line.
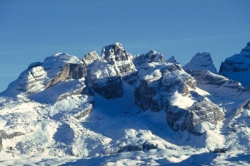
x=237, y=67
x=201, y=61
x=113, y=50
x=172, y=60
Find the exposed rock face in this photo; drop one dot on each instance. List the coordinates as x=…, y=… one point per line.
x=105, y=80
x=219, y=85
x=68, y=71
x=80, y=90
x=32, y=79
x=201, y=116
x=175, y=116
x=146, y=90
x=77, y=71
x=4, y=135
x=146, y=96
x=130, y=148
x=123, y=62
x=207, y=77
x=109, y=72
x=110, y=87
x=54, y=69
x=61, y=76
x=84, y=112
x=237, y=67
x=151, y=56
x=90, y=57
x=201, y=61
x=157, y=81
x=244, y=106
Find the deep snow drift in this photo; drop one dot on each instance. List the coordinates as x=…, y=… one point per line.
x=119, y=109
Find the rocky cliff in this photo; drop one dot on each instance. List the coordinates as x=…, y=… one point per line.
x=109, y=71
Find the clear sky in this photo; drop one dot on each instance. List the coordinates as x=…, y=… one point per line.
x=31, y=30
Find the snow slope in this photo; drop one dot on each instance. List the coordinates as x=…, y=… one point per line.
x=110, y=134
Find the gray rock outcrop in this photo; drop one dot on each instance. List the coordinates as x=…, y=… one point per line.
x=105, y=80
x=151, y=56
x=131, y=148
x=68, y=71
x=199, y=113
x=84, y=112
x=108, y=72
x=123, y=62
x=242, y=107
x=201, y=116
x=90, y=57
x=77, y=71
x=4, y=135
x=109, y=88
x=157, y=82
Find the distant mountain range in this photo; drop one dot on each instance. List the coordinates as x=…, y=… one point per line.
x=120, y=109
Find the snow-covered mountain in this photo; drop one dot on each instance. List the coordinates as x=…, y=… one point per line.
x=201, y=61
x=237, y=67
x=120, y=109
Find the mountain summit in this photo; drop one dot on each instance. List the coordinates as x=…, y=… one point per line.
x=201, y=61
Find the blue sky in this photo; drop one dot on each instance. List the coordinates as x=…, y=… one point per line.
x=31, y=30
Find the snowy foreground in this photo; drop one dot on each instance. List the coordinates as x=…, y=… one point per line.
x=119, y=109
x=107, y=135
